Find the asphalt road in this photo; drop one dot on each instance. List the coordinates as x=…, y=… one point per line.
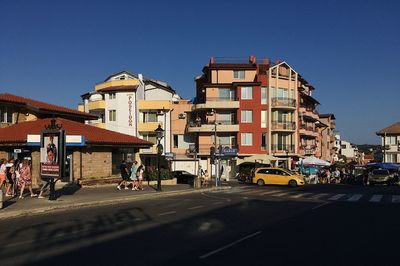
x=247, y=225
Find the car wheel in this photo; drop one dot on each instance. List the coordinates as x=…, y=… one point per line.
x=260, y=182
x=293, y=183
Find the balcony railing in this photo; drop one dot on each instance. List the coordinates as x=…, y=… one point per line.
x=222, y=99
x=283, y=148
x=277, y=125
x=308, y=128
x=283, y=102
x=308, y=149
x=205, y=148
x=212, y=122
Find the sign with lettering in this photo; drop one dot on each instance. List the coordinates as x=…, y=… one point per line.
x=130, y=117
x=52, y=153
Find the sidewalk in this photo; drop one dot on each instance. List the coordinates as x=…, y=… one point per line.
x=76, y=197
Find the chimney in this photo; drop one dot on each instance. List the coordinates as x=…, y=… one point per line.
x=265, y=61
x=140, y=77
x=211, y=60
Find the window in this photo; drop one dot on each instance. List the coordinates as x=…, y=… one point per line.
x=247, y=139
x=149, y=117
x=150, y=137
x=112, y=96
x=247, y=116
x=6, y=115
x=391, y=158
x=264, y=137
x=264, y=119
x=282, y=93
x=225, y=94
x=247, y=93
x=176, y=141
x=264, y=98
x=390, y=140
x=112, y=115
x=238, y=74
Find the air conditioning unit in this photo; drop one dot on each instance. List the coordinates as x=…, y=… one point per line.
x=182, y=116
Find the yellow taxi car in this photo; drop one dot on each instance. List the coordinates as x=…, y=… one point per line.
x=276, y=176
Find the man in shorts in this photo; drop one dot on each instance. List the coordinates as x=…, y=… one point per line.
x=124, y=175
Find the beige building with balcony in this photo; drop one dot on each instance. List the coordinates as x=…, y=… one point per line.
x=390, y=141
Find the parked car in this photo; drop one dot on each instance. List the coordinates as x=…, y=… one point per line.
x=276, y=176
x=183, y=177
x=381, y=176
x=245, y=170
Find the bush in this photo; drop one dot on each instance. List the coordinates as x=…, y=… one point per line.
x=164, y=175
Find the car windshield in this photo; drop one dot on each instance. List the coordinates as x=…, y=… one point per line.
x=380, y=172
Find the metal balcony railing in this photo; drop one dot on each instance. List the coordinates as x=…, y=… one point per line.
x=283, y=148
x=194, y=123
x=276, y=125
x=283, y=102
x=205, y=148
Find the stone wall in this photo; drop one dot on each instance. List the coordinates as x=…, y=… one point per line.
x=96, y=163
x=3, y=155
x=35, y=169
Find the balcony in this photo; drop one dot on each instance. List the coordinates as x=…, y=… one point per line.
x=148, y=126
x=308, y=113
x=97, y=105
x=204, y=149
x=154, y=105
x=308, y=149
x=283, y=126
x=282, y=148
x=307, y=130
x=218, y=103
x=283, y=103
x=222, y=126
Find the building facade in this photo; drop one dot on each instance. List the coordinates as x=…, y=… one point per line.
x=390, y=141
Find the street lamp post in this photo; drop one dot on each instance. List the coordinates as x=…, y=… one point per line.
x=160, y=134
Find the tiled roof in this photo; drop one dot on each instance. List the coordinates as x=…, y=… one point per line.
x=119, y=88
x=392, y=129
x=42, y=106
x=17, y=133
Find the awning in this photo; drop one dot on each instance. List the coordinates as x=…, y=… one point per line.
x=261, y=158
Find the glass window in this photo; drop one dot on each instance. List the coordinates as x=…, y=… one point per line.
x=264, y=141
x=247, y=93
x=264, y=98
x=224, y=94
x=112, y=96
x=264, y=120
x=238, y=74
x=247, y=116
x=176, y=141
x=390, y=140
x=282, y=93
x=112, y=115
x=391, y=158
x=150, y=117
x=247, y=139
x=5, y=115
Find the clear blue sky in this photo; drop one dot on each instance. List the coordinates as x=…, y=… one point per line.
x=349, y=50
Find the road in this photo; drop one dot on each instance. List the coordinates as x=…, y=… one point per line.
x=246, y=225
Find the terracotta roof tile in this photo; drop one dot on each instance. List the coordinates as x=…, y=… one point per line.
x=119, y=88
x=17, y=133
x=10, y=98
x=392, y=129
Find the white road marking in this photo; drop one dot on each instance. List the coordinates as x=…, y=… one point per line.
x=281, y=194
x=395, y=198
x=166, y=213
x=229, y=245
x=251, y=192
x=355, y=197
x=336, y=197
x=318, y=206
x=218, y=202
x=196, y=207
x=300, y=195
x=270, y=192
x=376, y=198
x=320, y=195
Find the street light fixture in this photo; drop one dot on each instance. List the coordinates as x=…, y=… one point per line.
x=160, y=134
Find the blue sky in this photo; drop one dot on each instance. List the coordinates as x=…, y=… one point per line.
x=349, y=50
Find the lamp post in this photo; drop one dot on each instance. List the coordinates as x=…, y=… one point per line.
x=215, y=147
x=160, y=134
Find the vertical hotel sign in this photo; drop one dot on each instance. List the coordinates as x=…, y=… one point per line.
x=52, y=151
x=130, y=102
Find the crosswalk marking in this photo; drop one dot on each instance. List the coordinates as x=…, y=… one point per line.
x=355, y=197
x=281, y=194
x=270, y=192
x=336, y=197
x=251, y=192
x=300, y=195
x=395, y=198
x=376, y=198
x=320, y=195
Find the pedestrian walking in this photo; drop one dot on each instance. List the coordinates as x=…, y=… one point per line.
x=10, y=175
x=140, y=172
x=3, y=170
x=26, y=179
x=133, y=177
x=124, y=175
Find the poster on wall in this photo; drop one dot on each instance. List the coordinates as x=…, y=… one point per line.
x=52, y=154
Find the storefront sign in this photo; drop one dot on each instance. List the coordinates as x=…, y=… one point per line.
x=130, y=110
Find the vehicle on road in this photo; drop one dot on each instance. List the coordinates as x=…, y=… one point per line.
x=183, y=177
x=276, y=176
x=381, y=176
x=245, y=170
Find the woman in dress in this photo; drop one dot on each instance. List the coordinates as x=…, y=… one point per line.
x=139, y=172
x=26, y=179
x=10, y=178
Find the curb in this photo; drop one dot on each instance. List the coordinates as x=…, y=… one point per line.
x=37, y=211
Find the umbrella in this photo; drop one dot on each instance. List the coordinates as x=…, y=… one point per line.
x=315, y=161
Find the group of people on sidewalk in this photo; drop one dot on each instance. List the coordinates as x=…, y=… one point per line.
x=132, y=176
